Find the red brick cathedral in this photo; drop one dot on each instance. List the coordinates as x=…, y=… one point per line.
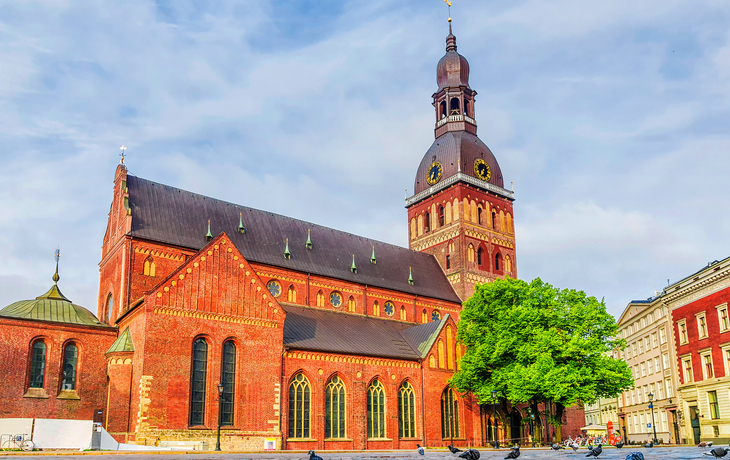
x=312, y=337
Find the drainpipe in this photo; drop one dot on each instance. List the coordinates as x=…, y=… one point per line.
x=423, y=410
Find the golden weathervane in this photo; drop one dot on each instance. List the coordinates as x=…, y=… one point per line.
x=448, y=2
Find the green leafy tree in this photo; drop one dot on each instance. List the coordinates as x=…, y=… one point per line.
x=534, y=343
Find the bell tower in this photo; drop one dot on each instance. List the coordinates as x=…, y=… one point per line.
x=460, y=211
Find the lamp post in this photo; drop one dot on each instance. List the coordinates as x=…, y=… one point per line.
x=651, y=406
x=532, y=418
x=494, y=411
x=220, y=402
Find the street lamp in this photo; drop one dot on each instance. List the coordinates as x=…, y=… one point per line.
x=532, y=428
x=220, y=403
x=651, y=406
x=494, y=422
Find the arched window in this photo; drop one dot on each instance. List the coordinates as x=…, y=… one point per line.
x=228, y=379
x=448, y=261
x=402, y=313
x=466, y=210
x=292, y=294
x=467, y=110
x=376, y=410
x=508, y=224
x=494, y=220
x=320, y=299
x=449, y=348
x=432, y=362
x=70, y=359
x=455, y=208
x=199, y=376
x=351, y=304
x=376, y=308
x=470, y=253
x=451, y=246
x=149, y=267
x=424, y=316
x=448, y=213
x=449, y=415
x=442, y=361
x=497, y=262
x=479, y=215
x=507, y=264
x=455, y=106
x=334, y=426
x=443, y=109
x=406, y=411
x=480, y=253
x=441, y=216
x=299, y=407
x=413, y=229
x=420, y=225
x=435, y=315
x=37, y=364
x=426, y=222
x=109, y=308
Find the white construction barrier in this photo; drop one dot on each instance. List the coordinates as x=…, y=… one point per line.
x=62, y=434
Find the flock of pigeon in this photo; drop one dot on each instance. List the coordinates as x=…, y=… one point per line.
x=593, y=451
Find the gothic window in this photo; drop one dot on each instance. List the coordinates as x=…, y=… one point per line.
x=376, y=410
x=37, y=364
x=420, y=225
x=320, y=299
x=351, y=304
x=443, y=109
x=199, y=374
x=432, y=362
x=376, y=308
x=441, y=216
x=402, y=313
x=435, y=316
x=70, y=359
x=424, y=316
x=508, y=264
x=228, y=378
x=389, y=308
x=335, y=299
x=442, y=360
x=448, y=213
x=426, y=222
x=466, y=210
x=494, y=220
x=335, y=409
x=274, y=288
x=480, y=253
x=149, y=267
x=455, y=208
x=109, y=308
x=455, y=106
x=449, y=415
x=406, y=411
x=451, y=246
x=299, y=407
x=510, y=228
x=291, y=294
x=448, y=261
x=497, y=262
x=479, y=216
x=449, y=348
x=413, y=228
x=470, y=253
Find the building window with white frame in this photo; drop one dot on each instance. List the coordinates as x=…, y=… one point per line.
x=707, y=369
x=651, y=389
x=670, y=392
x=682, y=326
x=641, y=346
x=643, y=369
x=665, y=360
x=650, y=366
x=633, y=345
x=654, y=340
x=722, y=318
x=701, y=325
x=662, y=336
x=657, y=365
x=726, y=354
x=660, y=388
x=687, y=370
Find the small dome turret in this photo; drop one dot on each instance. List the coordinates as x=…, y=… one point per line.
x=453, y=68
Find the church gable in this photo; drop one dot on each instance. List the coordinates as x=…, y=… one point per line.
x=217, y=283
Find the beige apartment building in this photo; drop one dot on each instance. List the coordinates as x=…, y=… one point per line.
x=646, y=327
x=601, y=412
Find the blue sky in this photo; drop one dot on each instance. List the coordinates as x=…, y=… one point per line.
x=610, y=118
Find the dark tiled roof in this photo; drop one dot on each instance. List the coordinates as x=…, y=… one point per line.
x=334, y=332
x=170, y=215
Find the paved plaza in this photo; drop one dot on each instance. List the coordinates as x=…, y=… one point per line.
x=527, y=454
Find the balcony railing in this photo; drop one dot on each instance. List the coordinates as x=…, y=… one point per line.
x=452, y=118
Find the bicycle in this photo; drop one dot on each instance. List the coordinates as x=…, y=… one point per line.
x=16, y=441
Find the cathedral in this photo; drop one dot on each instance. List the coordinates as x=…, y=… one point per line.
x=278, y=330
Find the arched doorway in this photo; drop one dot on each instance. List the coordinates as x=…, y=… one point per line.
x=515, y=426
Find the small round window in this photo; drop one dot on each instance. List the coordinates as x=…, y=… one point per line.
x=336, y=299
x=435, y=316
x=389, y=308
x=274, y=288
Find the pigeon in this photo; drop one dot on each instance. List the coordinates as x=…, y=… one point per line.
x=717, y=452
x=595, y=451
x=514, y=454
x=557, y=447
x=575, y=446
x=649, y=445
x=619, y=444
x=420, y=449
x=454, y=449
x=635, y=456
x=702, y=444
x=470, y=454
x=313, y=456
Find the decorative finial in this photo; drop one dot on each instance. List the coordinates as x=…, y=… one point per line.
x=209, y=235
x=287, y=254
x=458, y=162
x=123, y=148
x=448, y=2
x=410, y=276
x=372, y=257
x=308, y=244
x=353, y=268
x=241, y=228
x=57, y=256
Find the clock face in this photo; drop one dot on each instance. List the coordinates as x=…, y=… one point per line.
x=482, y=170
x=434, y=172
x=389, y=308
x=336, y=299
x=274, y=288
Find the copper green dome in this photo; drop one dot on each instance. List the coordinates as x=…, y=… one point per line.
x=51, y=306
